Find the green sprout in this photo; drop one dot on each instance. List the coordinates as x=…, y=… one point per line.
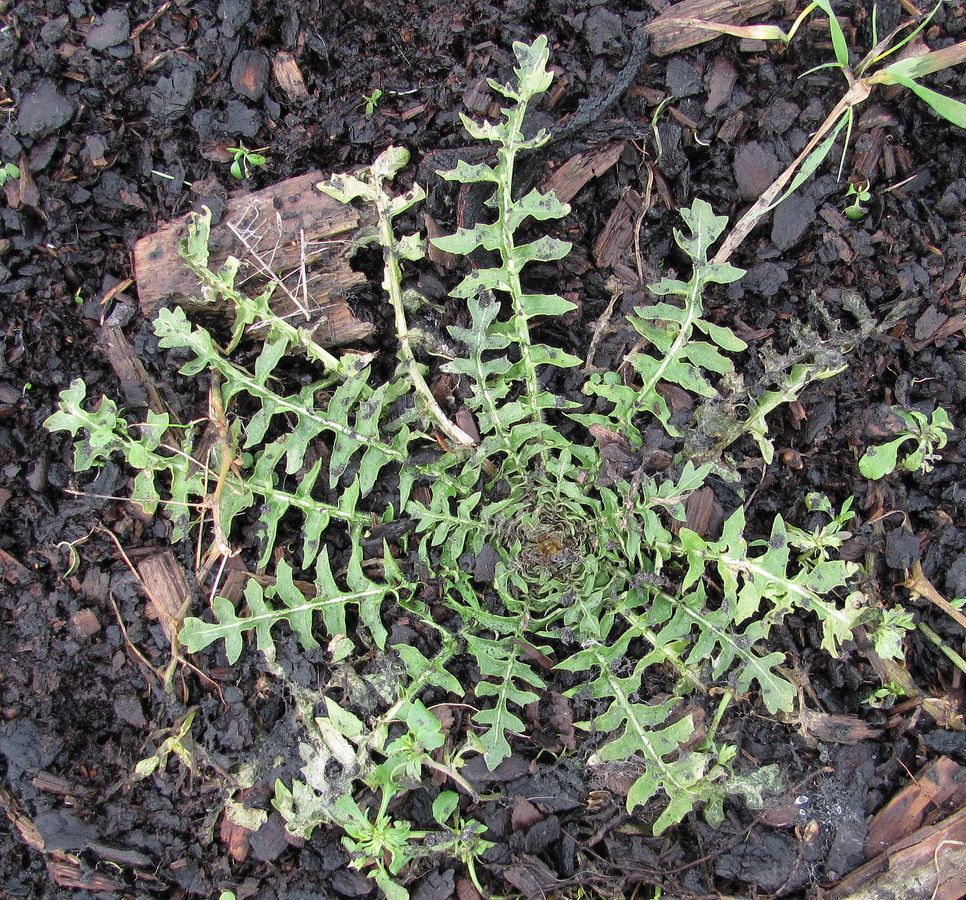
x=930, y=434
x=244, y=160
x=465, y=840
x=382, y=844
x=890, y=632
x=884, y=697
x=176, y=744
x=816, y=544
x=8, y=171
x=859, y=192
x=372, y=101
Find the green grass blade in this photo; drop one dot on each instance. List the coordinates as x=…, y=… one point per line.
x=951, y=110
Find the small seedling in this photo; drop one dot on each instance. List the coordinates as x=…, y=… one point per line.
x=382, y=845
x=465, y=840
x=73, y=557
x=816, y=544
x=885, y=697
x=891, y=631
x=8, y=171
x=175, y=743
x=244, y=160
x=930, y=435
x=372, y=101
x=860, y=194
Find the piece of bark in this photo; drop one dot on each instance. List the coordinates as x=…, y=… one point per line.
x=465, y=890
x=722, y=83
x=618, y=234
x=835, y=729
x=477, y=97
x=436, y=256
x=11, y=810
x=868, y=155
x=571, y=177
x=233, y=583
x=340, y=326
x=731, y=127
x=288, y=75
x=23, y=190
x=12, y=570
x=930, y=862
x=66, y=872
x=166, y=587
x=948, y=328
x=904, y=813
x=249, y=74
x=292, y=222
x=85, y=623
x=672, y=31
x=412, y=112
x=137, y=385
x=524, y=814
x=701, y=510
x=61, y=787
x=235, y=837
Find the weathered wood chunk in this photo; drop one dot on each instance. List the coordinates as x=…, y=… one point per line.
x=290, y=233
x=675, y=29
x=571, y=177
x=618, y=234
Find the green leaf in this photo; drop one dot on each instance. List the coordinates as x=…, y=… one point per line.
x=879, y=461
x=531, y=71
x=498, y=660
x=465, y=240
x=950, y=109
x=424, y=725
x=545, y=305
x=724, y=337
x=346, y=188
x=537, y=206
x=705, y=228
x=839, y=44
x=296, y=609
x=545, y=249
x=469, y=174
x=445, y=804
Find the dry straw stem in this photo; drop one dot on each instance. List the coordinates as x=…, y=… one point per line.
x=856, y=94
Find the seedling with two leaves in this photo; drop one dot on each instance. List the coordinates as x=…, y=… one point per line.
x=372, y=101
x=177, y=743
x=245, y=160
x=860, y=193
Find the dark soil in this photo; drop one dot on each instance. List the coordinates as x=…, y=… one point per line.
x=100, y=100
